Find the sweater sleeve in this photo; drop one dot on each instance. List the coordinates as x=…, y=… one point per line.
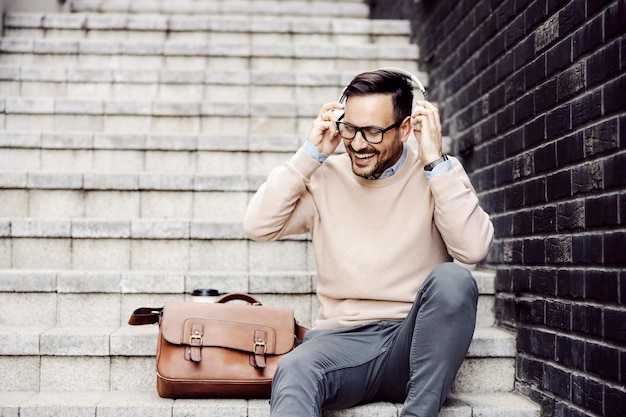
x=283, y=206
x=464, y=226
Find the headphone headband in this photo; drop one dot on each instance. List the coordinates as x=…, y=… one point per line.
x=404, y=73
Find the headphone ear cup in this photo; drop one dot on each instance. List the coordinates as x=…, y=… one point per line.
x=342, y=100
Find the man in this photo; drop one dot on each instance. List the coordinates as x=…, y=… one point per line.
x=396, y=316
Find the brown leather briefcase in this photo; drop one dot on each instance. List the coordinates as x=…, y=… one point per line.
x=219, y=350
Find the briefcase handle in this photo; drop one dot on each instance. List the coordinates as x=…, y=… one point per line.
x=238, y=296
x=149, y=315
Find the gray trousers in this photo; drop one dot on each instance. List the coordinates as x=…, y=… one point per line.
x=413, y=361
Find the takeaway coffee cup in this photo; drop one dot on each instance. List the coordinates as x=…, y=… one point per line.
x=205, y=295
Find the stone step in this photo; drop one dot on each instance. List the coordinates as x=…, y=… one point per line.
x=56, y=297
x=155, y=162
x=157, y=116
x=116, y=162
x=200, y=85
x=184, y=55
x=122, y=358
x=148, y=404
x=219, y=206
x=347, y=8
x=207, y=28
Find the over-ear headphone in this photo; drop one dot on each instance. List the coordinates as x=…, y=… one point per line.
x=404, y=73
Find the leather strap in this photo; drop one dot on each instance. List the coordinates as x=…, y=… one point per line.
x=194, y=353
x=145, y=315
x=300, y=331
x=260, y=347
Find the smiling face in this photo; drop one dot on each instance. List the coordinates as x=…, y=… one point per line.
x=375, y=110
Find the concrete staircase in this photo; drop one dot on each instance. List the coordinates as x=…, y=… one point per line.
x=132, y=136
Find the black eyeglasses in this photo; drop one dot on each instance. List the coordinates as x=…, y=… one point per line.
x=371, y=134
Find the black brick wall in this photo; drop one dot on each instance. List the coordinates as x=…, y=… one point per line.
x=533, y=94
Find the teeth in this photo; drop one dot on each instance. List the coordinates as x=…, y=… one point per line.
x=364, y=156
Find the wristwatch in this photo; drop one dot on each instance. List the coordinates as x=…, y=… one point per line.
x=436, y=162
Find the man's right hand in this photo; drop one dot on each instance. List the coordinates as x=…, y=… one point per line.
x=324, y=133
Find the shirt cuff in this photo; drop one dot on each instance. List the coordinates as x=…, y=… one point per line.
x=312, y=150
x=439, y=169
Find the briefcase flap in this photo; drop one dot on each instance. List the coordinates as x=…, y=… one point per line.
x=232, y=326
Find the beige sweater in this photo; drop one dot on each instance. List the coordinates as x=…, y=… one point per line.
x=375, y=241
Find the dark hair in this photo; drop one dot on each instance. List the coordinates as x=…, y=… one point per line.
x=382, y=81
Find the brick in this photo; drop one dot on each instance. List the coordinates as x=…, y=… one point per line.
x=503, y=280
x=603, y=63
x=559, y=185
x=535, y=131
x=571, y=216
x=543, y=281
x=615, y=324
x=534, y=251
x=556, y=381
x=614, y=172
x=566, y=410
x=524, y=108
x=513, y=251
x=559, y=250
x=559, y=57
x=524, y=52
x=587, y=249
x=544, y=220
x=570, y=352
x=587, y=393
x=571, y=81
x=530, y=370
x=587, y=320
x=614, y=19
x=612, y=91
x=586, y=108
x=587, y=37
x=530, y=312
x=572, y=16
x=546, y=95
x=614, y=248
x=546, y=33
x=558, y=121
x=601, y=211
x=543, y=344
x=504, y=66
x=570, y=149
x=523, y=340
x=614, y=402
x=520, y=280
x=522, y=166
x=558, y=315
x=544, y=158
x=570, y=284
x=587, y=178
x=535, y=72
x=504, y=173
x=522, y=224
x=601, y=286
x=601, y=360
x=514, y=196
x=535, y=191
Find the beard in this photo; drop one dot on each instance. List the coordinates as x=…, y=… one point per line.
x=370, y=162
x=366, y=168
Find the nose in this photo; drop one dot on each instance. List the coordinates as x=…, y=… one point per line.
x=359, y=142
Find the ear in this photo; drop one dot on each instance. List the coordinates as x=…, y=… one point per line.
x=405, y=129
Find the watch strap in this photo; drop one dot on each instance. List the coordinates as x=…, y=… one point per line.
x=436, y=162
